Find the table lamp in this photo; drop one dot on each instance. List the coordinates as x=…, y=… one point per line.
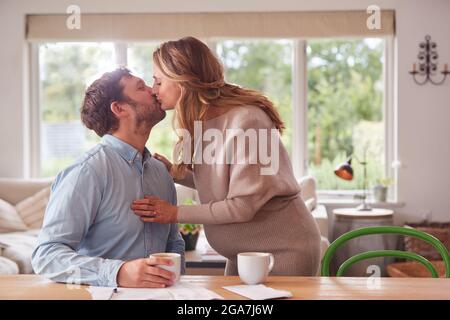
x=345, y=171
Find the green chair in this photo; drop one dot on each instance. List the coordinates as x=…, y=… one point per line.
x=325, y=270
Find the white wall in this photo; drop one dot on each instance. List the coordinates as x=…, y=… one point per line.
x=423, y=111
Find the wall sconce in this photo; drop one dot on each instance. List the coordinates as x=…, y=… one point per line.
x=428, y=63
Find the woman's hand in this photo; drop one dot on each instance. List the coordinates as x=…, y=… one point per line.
x=164, y=160
x=154, y=209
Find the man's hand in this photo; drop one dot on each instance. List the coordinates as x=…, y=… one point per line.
x=153, y=209
x=142, y=273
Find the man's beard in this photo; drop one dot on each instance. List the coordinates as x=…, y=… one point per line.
x=146, y=116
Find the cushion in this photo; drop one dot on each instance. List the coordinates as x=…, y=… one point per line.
x=307, y=187
x=7, y=266
x=32, y=209
x=10, y=220
x=14, y=190
x=19, y=247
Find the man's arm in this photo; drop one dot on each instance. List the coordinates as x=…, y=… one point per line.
x=71, y=211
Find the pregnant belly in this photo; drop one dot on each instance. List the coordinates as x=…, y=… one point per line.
x=269, y=231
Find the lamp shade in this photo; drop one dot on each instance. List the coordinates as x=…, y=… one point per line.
x=345, y=170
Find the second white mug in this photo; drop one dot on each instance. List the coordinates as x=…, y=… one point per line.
x=254, y=267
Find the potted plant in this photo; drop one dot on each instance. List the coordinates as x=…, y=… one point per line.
x=381, y=188
x=190, y=231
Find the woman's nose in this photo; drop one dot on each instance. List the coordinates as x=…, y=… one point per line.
x=155, y=92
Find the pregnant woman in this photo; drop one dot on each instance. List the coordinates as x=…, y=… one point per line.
x=250, y=199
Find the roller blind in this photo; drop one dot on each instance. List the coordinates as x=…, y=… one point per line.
x=147, y=26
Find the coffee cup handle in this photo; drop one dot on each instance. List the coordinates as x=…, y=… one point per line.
x=271, y=262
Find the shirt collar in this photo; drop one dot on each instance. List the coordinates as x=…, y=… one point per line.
x=125, y=150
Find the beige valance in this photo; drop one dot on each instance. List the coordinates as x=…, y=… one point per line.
x=157, y=26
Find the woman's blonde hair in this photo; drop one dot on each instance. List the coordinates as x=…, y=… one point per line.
x=200, y=75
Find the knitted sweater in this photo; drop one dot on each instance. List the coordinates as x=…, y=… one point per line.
x=244, y=210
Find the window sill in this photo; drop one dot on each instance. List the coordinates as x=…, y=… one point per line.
x=344, y=203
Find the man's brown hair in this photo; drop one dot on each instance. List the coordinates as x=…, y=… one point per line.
x=96, y=111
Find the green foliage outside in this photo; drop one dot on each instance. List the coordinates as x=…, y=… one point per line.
x=67, y=69
x=266, y=66
x=345, y=99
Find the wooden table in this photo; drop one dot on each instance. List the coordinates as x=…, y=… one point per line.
x=28, y=287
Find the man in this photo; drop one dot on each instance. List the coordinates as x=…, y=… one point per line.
x=90, y=234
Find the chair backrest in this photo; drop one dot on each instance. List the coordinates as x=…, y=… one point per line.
x=325, y=269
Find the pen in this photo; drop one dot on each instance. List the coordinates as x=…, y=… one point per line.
x=112, y=293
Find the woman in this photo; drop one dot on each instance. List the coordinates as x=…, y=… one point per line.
x=242, y=207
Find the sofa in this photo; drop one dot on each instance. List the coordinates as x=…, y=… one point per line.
x=17, y=246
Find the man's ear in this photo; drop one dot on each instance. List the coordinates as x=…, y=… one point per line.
x=117, y=109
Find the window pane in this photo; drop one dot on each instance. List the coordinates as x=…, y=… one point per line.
x=140, y=62
x=345, y=109
x=66, y=69
x=263, y=65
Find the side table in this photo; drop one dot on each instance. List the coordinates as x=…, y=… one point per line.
x=347, y=219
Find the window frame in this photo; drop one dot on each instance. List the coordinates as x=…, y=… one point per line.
x=34, y=161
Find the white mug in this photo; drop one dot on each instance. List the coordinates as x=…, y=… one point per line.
x=254, y=267
x=175, y=258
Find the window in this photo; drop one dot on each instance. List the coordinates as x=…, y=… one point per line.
x=345, y=109
x=65, y=70
x=264, y=65
x=162, y=137
x=344, y=112
x=345, y=99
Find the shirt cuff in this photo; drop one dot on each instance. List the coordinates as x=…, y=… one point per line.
x=108, y=273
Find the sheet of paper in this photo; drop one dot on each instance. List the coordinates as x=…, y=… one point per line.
x=258, y=292
x=179, y=291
